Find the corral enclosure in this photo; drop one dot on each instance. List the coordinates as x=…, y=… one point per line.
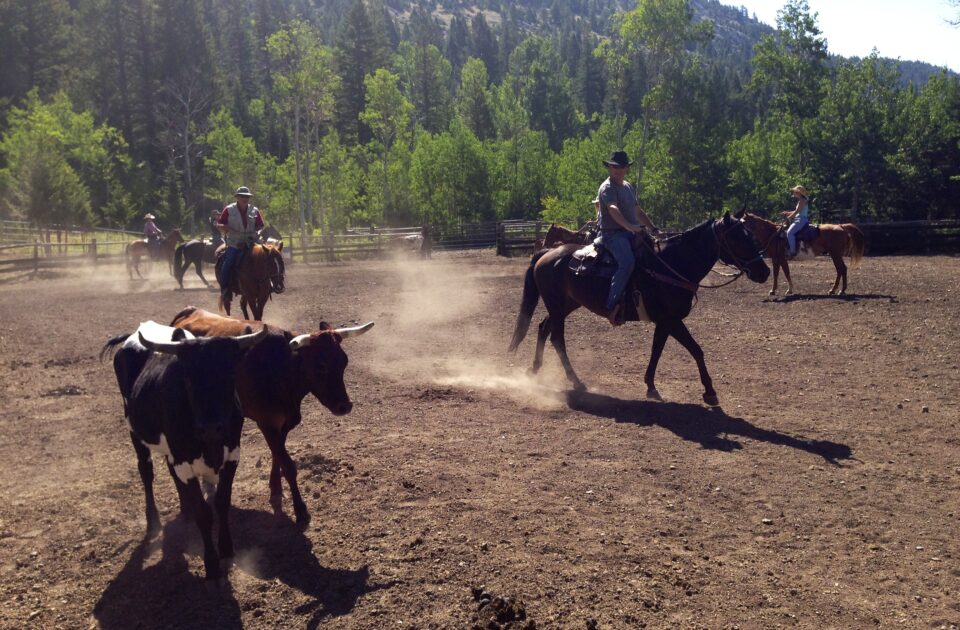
x=824, y=493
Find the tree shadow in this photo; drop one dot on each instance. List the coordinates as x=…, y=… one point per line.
x=166, y=594
x=850, y=297
x=711, y=428
x=277, y=549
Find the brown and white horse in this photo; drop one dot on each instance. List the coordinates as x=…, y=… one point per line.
x=835, y=241
x=140, y=249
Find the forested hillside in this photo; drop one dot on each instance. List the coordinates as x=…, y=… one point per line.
x=352, y=112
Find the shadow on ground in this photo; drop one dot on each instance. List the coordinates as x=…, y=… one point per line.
x=849, y=297
x=711, y=428
x=168, y=595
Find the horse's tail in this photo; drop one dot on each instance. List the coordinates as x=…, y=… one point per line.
x=855, y=243
x=178, y=266
x=531, y=295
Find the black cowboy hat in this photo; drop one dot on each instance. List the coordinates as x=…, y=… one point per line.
x=619, y=159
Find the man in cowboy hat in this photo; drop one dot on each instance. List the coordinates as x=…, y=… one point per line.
x=620, y=217
x=153, y=234
x=240, y=223
x=798, y=218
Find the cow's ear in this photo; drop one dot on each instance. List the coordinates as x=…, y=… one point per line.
x=325, y=326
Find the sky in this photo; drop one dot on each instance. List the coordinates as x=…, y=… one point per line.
x=910, y=30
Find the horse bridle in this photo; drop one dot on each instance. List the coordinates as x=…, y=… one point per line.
x=683, y=283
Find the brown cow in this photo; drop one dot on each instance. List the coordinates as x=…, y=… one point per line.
x=272, y=381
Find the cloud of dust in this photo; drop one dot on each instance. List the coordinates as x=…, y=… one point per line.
x=436, y=332
x=249, y=560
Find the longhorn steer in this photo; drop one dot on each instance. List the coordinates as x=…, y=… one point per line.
x=272, y=381
x=179, y=401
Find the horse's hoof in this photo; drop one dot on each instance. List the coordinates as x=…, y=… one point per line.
x=653, y=394
x=842, y=293
x=772, y=292
x=711, y=399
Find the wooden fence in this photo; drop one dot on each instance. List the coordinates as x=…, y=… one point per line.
x=21, y=250
x=911, y=237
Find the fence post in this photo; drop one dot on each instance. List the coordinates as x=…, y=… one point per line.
x=329, y=238
x=290, y=247
x=36, y=256
x=500, y=235
x=93, y=250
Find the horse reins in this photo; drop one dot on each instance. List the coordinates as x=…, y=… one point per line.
x=692, y=287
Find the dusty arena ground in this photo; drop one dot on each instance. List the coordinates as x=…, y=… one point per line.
x=824, y=494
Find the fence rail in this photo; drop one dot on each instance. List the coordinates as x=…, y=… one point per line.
x=510, y=238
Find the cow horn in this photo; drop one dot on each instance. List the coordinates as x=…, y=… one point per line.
x=248, y=341
x=353, y=332
x=164, y=347
x=301, y=341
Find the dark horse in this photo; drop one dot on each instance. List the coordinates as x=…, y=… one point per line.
x=667, y=283
x=139, y=249
x=195, y=252
x=257, y=275
x=835, y=241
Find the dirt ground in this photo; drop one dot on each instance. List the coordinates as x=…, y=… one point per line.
x=824, y=494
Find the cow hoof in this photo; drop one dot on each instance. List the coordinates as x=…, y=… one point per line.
x=712, y=400
x=653, y=394
x=579, y=387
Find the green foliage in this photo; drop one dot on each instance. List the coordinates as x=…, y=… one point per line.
x=450, y=177
x=56, y=160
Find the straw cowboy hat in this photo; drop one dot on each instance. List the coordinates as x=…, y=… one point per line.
x=148, y=217
x=801, y=190
x=243, y=191
x=619, y=159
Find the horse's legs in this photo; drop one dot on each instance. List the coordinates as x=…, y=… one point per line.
x=682, y=335
x=560, y=345
x=257, y=306
x=786, y=274
x=543, y=331
x=776, y=275
x=243, y=307
x=198, y=266
x=660, y=335
x=841, y=273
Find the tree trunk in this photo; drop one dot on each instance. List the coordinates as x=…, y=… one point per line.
x=296, y=150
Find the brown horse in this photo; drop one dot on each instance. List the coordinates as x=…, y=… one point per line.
x=667, y=284
x=835, y=241
x=257, y=275
x=559, y=235
x=139, y=249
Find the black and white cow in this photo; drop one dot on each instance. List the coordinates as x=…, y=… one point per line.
x=179, y=400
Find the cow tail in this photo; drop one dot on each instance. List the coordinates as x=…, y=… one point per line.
x=110, y=347
x=531, y=295
x=855, y=243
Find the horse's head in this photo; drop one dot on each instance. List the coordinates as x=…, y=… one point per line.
x=275, y=266
x=739, y=248
x=175, y=236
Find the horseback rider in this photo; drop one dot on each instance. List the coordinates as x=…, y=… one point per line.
x=153, y=235
x=216, y=238
x=620, y=217
x=799, y=218
x=241, y=223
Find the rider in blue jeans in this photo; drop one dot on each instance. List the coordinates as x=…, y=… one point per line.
x=241, y=224
x=620, y=218
x=798, y=218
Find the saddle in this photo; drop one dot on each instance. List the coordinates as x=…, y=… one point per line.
x=597, y=262
x=807, y=233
